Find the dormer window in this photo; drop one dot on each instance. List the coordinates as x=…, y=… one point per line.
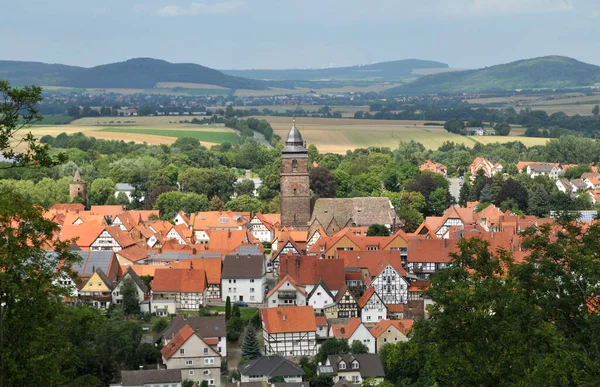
x=294, y=165
x=354, y=365
x=342, y=365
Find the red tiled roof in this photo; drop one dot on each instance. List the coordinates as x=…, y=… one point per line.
x=134, y=253
x=373, y=261
x=212, y=341
x=216, y=219
x=321, y=321
x=419, y=286
x=179, y=280
x=288, y=319
x=86, y=233
x=180, y=338
x=366, y=297
x=344, y=331
x=212, y=267
x=395, y=308
x=402, y=325
x=309, y=270
x=431, y=250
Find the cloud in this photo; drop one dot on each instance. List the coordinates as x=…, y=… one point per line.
x=505, y=7
x=202, y=8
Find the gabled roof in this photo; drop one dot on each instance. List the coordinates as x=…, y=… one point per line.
x=109, y=284
x=111, y=210
x=270, y=221
x=369, y=364
x=179, y=280
x=212, y=267
x=134, y=253
x=362, y=211
x=220, y=219
x=373, y=261
x=86, y=233
x=382, y=326
x=243, y=266
x=369, y=293
x=340, y=294
x=92, y=260
x=142, y=270
x=284, y=280
x=205, y=326
x=271, y=366
x=431, y=250
x=138, y=281
x=323, y=286
x=289, y=319
x=144, y=377
x=345, y=330
x=180, y=338
x=121, y=237
x=309, y=270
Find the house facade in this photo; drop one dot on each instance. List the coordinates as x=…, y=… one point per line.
x=97, y=291
x=344, y=305
x=286, y=293
x=354, y=368
x=140, y=286
x=243, y=278
x=264, y=368
x=390, y=332
x=190, y=354
x=289, y=331
x=177, y=289
x=353, y=330
x=391, y=286
x=372, y=307
x=320, y=297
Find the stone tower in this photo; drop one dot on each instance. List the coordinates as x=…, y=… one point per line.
x=295, y=184
x=77, y=188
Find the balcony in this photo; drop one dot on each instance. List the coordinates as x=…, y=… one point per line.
x=286, y=295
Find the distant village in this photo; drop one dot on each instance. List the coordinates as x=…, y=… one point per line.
x=314, y=271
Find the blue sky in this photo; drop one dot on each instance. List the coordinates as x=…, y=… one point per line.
x=236, y=34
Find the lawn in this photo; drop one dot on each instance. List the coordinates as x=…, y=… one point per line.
x=217, y=137
x=246, y=312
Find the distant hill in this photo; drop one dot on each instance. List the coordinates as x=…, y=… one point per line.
x=139, y=73
x=549, y=72
x=379, y=72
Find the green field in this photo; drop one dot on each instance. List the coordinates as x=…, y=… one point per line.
x=246, y=312
x=201, y=135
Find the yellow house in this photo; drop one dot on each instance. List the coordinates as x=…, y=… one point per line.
x=97, y=291
x=390, y=331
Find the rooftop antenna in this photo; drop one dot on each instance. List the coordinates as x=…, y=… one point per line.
x=396, y=212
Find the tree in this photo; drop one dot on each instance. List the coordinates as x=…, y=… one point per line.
x=101, y=190
x=502, y=129
x=539, y=202
x=31, y=295
x=244, y=187
x=186, y=144
x=322, y=183
x=170, y=203
x=412, y=219
x=454, y=126
x=439, y=201
x=131, y=302
x=245, y=203
x=596, y=110
x=208, y=181
x=378, y=230
x=18, y=111
x=216, y=204
x=358, y=347
x=227, y=308
x=512, y=189
x=235, y=311
x=465, y=191
x=204, y=383
x=486, y=195
x=332, y=346
x=250, y=347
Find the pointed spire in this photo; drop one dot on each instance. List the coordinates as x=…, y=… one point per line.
x=77, y=177
x=294, y=144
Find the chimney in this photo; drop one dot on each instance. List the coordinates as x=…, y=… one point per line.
x=283, y=317
x=193, y=251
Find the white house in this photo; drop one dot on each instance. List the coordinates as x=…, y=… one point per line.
x=196, y=359
x=289, y=331
x=262, y=226
x=243, y=278
x=564, y=186
x=127, y=189
x=140, y=286
x=372, y=307
x=182, y=218
x=266, y=367
x=150, y=378
x=353, y=330
x=212, y=329
x=391, y=286
x=354, y=368
x=542, y=169
x=320, y=297
x=286, y=293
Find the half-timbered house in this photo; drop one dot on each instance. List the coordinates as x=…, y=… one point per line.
x=289, y=331
x=372, y=307
x=286, y=293
x=177, y=289
x=344, y=305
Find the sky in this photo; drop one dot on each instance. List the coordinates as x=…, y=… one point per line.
x=274, y=34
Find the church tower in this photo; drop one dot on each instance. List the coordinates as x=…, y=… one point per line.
x=295, y=183
x=77, y=188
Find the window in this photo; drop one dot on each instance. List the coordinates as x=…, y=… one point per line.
x=355, y=379
x=251, y=290
x=294, y=165
x=354, y=365
x=368, y=318
x=99, y=284
x=191, y=372
x=206, y=351
x=342, y=365
x=318, y=293
x=251, y=281
x=251, y=298
x=211, y=382
x=189, y=362
x=274, y=301
x=229, y=281
x=209, y=360
x=206, y=372
x=182, y=351
x=233, y=281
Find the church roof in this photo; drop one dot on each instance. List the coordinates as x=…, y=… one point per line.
x=77, y=177
x=294, y=142
x=360, y=211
